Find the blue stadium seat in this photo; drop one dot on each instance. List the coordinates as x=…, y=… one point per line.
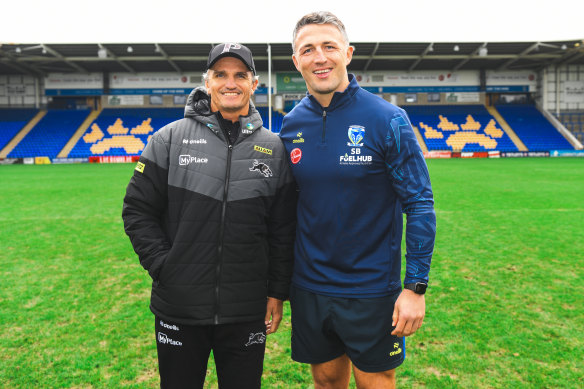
x=533, y=128
x=277, y=118
x=12, y=121
x=50, y=135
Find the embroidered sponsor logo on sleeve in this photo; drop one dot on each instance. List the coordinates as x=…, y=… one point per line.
x=262, y=150
x=140, y=167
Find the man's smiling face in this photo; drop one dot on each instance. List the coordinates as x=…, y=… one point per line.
x=230, y=84
x=322, y=56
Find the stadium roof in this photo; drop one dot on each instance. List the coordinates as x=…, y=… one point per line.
x=39, y=59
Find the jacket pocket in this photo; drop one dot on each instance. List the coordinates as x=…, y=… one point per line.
x=156, y=268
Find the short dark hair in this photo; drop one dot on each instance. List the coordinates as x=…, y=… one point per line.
x=320, y=17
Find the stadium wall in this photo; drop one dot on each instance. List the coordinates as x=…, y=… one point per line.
x=20, y=91
x=562, y=88
x=143, y=101
x=556, y=88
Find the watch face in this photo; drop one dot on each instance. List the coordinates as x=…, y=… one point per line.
x=420, y=288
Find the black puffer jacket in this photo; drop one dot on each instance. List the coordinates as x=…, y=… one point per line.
x=212, y=223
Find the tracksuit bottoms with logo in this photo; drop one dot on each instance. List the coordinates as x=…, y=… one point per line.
x=183, y=353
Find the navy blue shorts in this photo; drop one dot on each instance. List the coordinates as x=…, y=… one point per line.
x=324, y=328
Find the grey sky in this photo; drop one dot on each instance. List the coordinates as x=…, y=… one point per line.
x=176, y=21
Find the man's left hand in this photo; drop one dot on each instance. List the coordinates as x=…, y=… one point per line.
x=408, y=313
x=273, y=317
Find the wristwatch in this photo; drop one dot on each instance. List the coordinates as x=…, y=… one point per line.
x=417, y=287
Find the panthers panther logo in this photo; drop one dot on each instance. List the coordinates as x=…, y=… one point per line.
x=262, y=168
x=258, y=338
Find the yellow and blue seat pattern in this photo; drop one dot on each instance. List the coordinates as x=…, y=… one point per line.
x=459, y=128
x=118, y=132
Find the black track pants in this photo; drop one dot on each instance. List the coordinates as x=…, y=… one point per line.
x=183, y=353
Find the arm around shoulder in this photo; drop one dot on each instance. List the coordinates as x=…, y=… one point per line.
x=281, y=233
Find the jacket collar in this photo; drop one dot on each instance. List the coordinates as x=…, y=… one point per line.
x=339, y=98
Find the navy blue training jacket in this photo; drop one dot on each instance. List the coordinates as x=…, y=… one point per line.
x=358, y=167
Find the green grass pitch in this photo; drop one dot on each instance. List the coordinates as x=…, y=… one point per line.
x=505, y=306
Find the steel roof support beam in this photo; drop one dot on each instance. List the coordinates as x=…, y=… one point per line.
x=535, y=57
x=520, y=55
x=17, y=64
x=371, y=57
x=115, y=58
x=428, y=49
x=570, y=56
x=469, y=57
x=170, y=61
x=66, y=60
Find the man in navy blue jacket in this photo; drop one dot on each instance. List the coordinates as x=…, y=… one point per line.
x=358, y=167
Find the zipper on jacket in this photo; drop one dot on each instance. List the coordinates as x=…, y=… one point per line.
x=323, y=124
x=222, y=233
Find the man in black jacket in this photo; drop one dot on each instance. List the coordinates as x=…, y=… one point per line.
x=210, y=211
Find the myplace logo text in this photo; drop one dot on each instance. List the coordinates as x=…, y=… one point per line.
x=164, y=339
x=187, y=159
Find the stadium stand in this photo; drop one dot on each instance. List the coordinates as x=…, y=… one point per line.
x=277, y=118
x=574, y=122
x=459, y=128
x=50, y=135
x=533, y=128
x=12, y=121
x=123, y=131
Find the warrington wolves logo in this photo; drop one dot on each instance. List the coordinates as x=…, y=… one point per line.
x=356, y=134
x=261, y=167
